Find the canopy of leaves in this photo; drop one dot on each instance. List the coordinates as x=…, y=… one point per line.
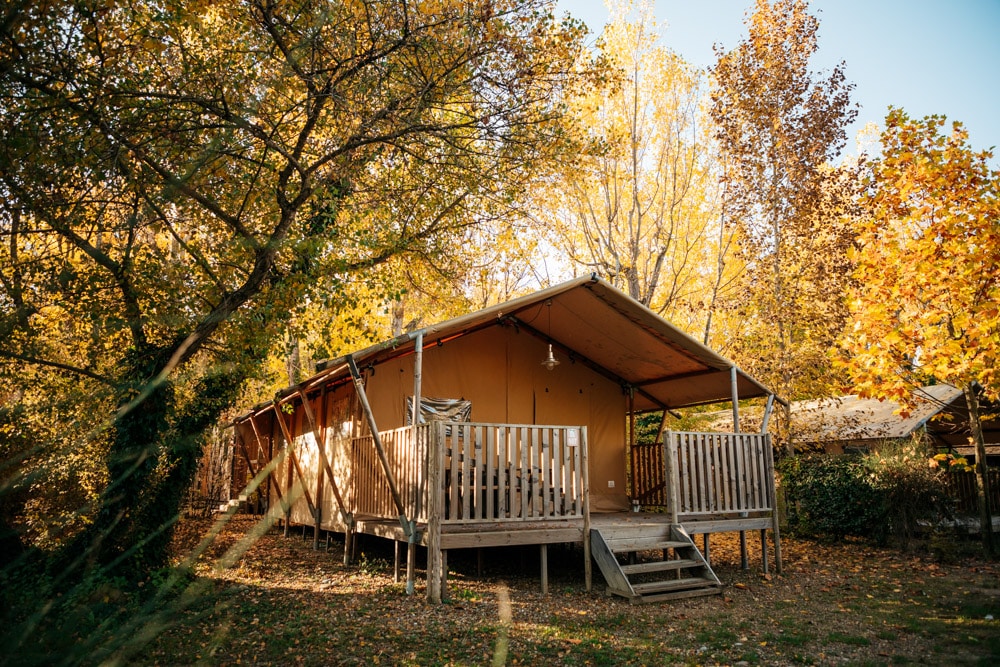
x=779, y=125
x=926, y=305
x=176, y=175
x=639, y=206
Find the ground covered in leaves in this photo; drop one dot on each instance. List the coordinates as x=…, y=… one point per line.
x=282, y=602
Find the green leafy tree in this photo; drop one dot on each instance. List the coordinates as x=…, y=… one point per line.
x=175, y=176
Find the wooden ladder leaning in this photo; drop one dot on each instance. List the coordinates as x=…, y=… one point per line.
x=661, y=563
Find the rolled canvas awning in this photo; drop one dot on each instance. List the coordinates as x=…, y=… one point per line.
x=591, y=322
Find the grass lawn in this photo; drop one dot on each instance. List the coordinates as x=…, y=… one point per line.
x=280, y=602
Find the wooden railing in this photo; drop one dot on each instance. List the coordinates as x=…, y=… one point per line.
x=512, y=472
x=649, y=482
x=963, y=489
x=718, y=473
x=407, y=463
x=489, y=472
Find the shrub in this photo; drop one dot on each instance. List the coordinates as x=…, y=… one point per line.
x=912, y=487
x=833, y=496
x=887, y=491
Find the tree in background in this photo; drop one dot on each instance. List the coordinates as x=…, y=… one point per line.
x=926, y=304
x=778, y=126
x=175, y=176
x=638, y=207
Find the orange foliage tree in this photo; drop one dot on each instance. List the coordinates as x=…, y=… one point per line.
x=926, y=305
x=779, y=126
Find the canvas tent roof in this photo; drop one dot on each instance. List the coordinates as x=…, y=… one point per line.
x=849, y=418
x=588, y=321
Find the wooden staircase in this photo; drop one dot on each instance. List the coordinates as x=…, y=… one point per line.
x=672, y=568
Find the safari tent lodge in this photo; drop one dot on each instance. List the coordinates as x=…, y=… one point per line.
x=511, y=426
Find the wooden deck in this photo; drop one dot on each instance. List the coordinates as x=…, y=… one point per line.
x=458, y=536
x=461, y=485
x=698, y=526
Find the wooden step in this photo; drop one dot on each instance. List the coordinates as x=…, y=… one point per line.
x=676, y=595
x=646, y=544
x=674, y=585
x=661, y=566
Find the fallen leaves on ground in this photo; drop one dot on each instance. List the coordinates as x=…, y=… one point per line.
x=282, y=602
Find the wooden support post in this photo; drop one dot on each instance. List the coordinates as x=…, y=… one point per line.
x=634, y=477
x=775, y=528
x=270, y=475
x=288, y=480
x=411, y=566
x=320, y=434
x=348, y=544
x=705, y=545
x=588, y=568
x=390, y=479
x=270, y=454
x=734, y=377
x=744, y=558
x=397, y=548
x=411, y=547
x=444, y=574
x=767, y=413
x=435, y=510
x=671, y=475
x=545, y=568
x=763, y=550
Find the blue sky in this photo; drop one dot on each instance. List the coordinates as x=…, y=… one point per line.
x=926, y=56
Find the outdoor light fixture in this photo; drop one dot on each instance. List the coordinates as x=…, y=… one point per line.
x=550, y=361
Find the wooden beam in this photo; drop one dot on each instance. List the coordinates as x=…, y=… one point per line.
x=544, y=549
x=359, y=386
x=588, y=575
x=514, y=535
x=411, y=546
x=672, y=476
x=435, y=511
x=270, y=476
x=294, y=459
x=767, y=413
x=700, y=526
x=320, y=436
x=733, y=378
x=775, y=528
x=321, y=442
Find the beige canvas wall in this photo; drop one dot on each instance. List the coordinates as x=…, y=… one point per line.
x=499, y=370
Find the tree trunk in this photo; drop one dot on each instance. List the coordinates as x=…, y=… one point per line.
x=976, y=426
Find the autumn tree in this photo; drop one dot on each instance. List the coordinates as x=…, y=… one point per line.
x=926, y=306
x=779, y=125
x=176, y=175
x=637, y=206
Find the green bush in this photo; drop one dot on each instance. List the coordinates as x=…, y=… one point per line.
x=833, y=496
x=874, y=495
